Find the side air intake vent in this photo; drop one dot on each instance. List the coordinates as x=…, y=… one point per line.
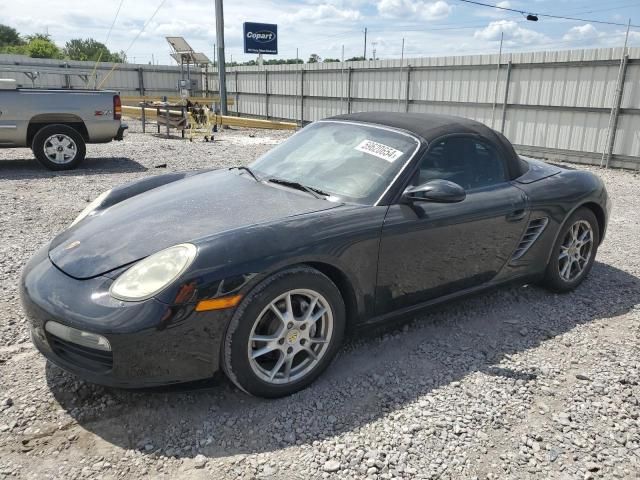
x=534, y=229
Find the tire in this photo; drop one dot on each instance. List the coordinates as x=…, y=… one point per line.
x=58, y=147
x=288, y=339
x=561, y=277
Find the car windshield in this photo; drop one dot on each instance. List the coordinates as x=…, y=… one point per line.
x=351, y=161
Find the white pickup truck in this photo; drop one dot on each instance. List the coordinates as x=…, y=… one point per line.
x=57, y=124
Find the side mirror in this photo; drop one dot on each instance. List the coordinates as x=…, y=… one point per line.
x=437, y=191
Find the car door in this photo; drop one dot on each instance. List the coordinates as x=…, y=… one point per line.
x=429, y=250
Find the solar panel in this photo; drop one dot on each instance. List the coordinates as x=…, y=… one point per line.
x=200, y=58
x=179, y=44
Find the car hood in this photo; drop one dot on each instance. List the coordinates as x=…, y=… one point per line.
x=185, y=210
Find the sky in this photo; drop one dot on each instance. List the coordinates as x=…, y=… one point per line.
x=429, y=27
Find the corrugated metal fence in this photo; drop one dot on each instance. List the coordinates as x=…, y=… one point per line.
x=552, y=104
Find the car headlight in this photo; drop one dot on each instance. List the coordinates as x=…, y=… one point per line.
x=91, y=207
x=151, y=275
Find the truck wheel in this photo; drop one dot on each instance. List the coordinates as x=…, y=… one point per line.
x=58, y=147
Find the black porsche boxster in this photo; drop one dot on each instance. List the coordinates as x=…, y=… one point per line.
x=259, y=270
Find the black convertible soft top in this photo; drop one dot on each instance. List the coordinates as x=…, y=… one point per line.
x=430, y=126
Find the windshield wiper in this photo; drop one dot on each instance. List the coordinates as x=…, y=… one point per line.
x=248, y=170
x=316, y=192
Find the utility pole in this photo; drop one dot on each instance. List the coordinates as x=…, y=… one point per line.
x=374, y=50
x=222, y=78
x=365, y=43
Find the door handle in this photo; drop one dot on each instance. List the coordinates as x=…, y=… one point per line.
x=516, y=215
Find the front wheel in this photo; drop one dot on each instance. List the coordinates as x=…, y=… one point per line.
x=574, y=252
x=58, y=147
x=285, y=333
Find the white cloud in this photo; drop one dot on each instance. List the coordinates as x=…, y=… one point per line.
x=513, y=33
x=323, y=13
x=505, y=4
x=582, y=32
x=420, y=9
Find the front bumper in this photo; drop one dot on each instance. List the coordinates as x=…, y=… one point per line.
x=152, y=343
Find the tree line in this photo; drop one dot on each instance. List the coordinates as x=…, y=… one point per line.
x=41, y=46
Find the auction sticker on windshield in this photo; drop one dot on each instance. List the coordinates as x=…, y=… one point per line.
x=379, y=150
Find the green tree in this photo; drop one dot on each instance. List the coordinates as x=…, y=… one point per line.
x=91, y=50
x=41, y=46
x=38, y=36
x=9, y=36
x=331, y=60
x=355, y=59
x=314, y=58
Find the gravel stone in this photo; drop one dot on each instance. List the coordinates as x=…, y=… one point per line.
x=200, y=461
x=331, y=466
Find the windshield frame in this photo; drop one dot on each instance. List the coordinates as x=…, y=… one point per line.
x=419, y=144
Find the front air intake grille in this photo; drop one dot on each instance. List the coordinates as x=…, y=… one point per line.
x=531, y=234
x=88, y=358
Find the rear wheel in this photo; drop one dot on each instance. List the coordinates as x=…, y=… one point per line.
x=574, y=252
x=58, y=147
x=284, y=333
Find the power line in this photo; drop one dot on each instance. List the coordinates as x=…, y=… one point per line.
x=114, y=22
x=144, y=27
x=580, y=11
x=547, y=15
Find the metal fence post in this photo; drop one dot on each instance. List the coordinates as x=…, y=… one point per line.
x=237, y=96
x=615, y=113
x=506, y=96
x=266, y=93
x=301, y=97
x=140, y=82
x=408, y=89
x=67, y=77
x=349, y=74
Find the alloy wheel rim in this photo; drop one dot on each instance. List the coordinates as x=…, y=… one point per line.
x=575, y=251
x=290, y=336
x=60, y=148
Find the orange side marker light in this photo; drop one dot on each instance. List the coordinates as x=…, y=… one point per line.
x=218, y=303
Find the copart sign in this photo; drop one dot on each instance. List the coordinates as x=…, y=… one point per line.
x=260, y=38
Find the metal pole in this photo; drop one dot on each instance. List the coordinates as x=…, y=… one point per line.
x=615, y=108
x=495, y=94
x=301, y=98
x=408, y=93
x=506, y=97
x=140, y=82
x=237, y=96
x=295, y=112
x=342, y=81
x=221, y=62
x=266, y=93
x=167, y=113
x=401, y=65
x=349, y=89
x=206, y=81
x=365, y=43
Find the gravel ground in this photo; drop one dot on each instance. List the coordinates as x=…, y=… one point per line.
x=516, y=383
